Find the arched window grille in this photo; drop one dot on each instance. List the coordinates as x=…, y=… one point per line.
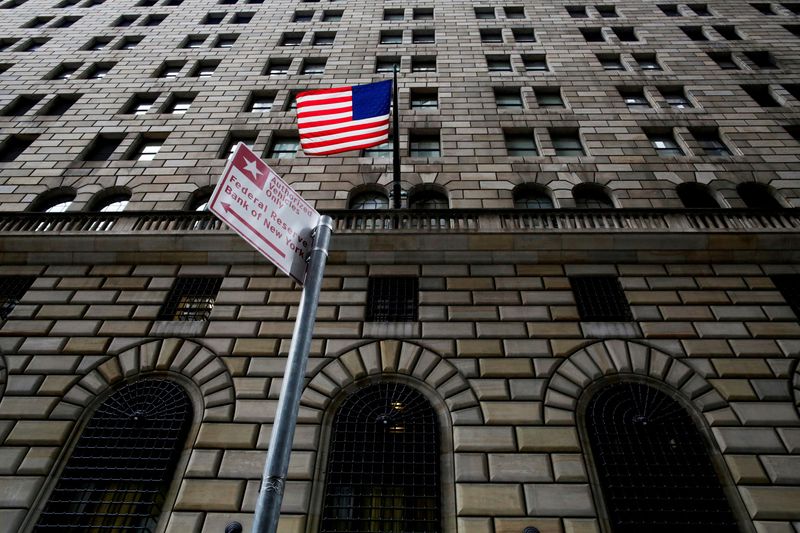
x=383, y=466
x=591, y=196
x=532, y=197
x=653, y=465
x=117, y=476
x=757, y=196
x=369, y=200
x=54, y=201
x=696, y=196
x=428, y=200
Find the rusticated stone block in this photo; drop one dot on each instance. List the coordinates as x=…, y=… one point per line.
x=489, y=499
x=210, y=495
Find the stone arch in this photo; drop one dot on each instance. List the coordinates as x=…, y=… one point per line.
x=177, y=356
x=613, y=357
x=393, y=357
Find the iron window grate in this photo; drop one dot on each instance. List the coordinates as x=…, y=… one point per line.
x=122, y=466
x=600, y=298
x=383, y=465
x=392, y=299
x=12, y=289
x=789, y=287
x=190, y=299
x=653, y=464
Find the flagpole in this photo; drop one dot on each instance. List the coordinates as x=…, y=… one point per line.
x=396, y=143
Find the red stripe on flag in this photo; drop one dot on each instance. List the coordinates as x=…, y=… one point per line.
x=324, y=91
x=313, y=144
x=345, y=129
x=349, y=148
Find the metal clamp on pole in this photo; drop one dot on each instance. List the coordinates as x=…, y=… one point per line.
x=268, y=506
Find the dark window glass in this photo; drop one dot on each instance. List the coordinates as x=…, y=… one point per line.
x=332, y=16
x=789, y=287
x=794, y=7
x=120, y=470
x=12, y=289
x=423, y=36
x=625, y=34
x=424, y=98
x=323, y=38
x=508, y=97
x=190, y=299
x=424, y=144
x=647, y=61
x=600, y=298
x=757, y=196
x=607, y=11
x=292, y=39
x=567, y=143
x=383, y=464
x=548, y=97
x=578, y=12
x=520, y=144
x=724, y=60
x=484, y=13
x=761, y=95
x=370, y=200
x=284, y=147
x=102, y=147
x=392, y=299
x=423, y=64
x=764, y=9
x=60, y=104
x=498, y=63
x=728, y=32
x=387, y=64
x=14, y=145
x=590, y=196
x=694, y=33
x=20, y=105
x=710, y=142
x=422, y=13
x=524, y=35
x=391, y=37
x=491, y=35
x=634, y=98
x=761, y=59
x=428, y=200
x=653, y=464
x=302, y=16
x=242, y=18
x=664, y=143
x=535, y=62
x=610, y=61
x=393, y=14
x=532, y=197
x=675, y=97
x=670, y=10
x=696, y=196
x=592, y=35
x=516, y=12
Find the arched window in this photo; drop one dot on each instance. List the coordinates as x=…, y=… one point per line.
x=532, y=197
x=54, y=201
x=369, y=200
x=199, y=200
x=591, y=196
x=111, y=201
x=428, y=199
x=696, y=196
x=653, y=464
x=122, y=466
x=383, y=464
x=757, y=196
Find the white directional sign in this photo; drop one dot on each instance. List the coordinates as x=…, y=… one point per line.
x=258, y=205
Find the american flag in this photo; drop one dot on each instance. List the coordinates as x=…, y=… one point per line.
x=344, y=118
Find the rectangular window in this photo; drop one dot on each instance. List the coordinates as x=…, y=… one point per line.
x=153, y=20
x=303, y=16
x=64, y=71
x=283, y=147
x=423, y=64
x=59, y=105
x=33, y=45
x=763, y=8
x=37, y=22
x=125, y=20
x=14, y=145
x=391, y=37
x=625, y=34
x=728, y=32
x=313, y=66
x=140, y=104
x=567, y=143
x=634, y=98
x=710, y=142
x=387, y=64
x=179, y=105
x=194, y=41
x=146, y=147
x=6, y=43
x=392, y=299
x=260, y=102
x=675, y=97
x=498, y=63
x=170, y=69
x=761, y=59
x=647, y=61
x=520, y=143
x=190, y=299
x=423, y=36
x=610, y=61
x=793, y=89
x=12, y=289
x=213, y=18
x=670, y=10
x=535, y=62
x=129, y=43
x=524, y=35
x=484, y=13
x=97, y=43
x=664, y=143
x=242, y=18
x=277, y=67
x=323, y=38
x=701, y=10
x=292, y=39
x=102, y=147
x=20, y=105
x=332, y=16
x=516, y=12
x=225, y=41
x=491, y=35
x=393, y=14
x=607, y=12
x=423, y=98
x=724, y=60
x=422, y=13
x=424, y=144
x=98, y=71
x=577, y=12
x=794, y=7
x=694, y=33
x=204, y=69
x=789, y=287
x=67, y=22
x=233, y=139
x=600, y=299
x=549, y=97
x=382, y=150
x=508, y=97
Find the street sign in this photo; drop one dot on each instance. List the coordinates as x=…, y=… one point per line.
x=258, y=205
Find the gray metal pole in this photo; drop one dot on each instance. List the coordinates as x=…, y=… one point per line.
x=268, y=506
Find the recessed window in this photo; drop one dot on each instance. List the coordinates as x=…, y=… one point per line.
x=64, y=4
x=283, y=147
x=387, y=64
x=33, y=45
x=153, y=20
x=313, y=66
x=664, y=143
x=670, y=10
x=248, y=138
x=710, y=142
x=323, y=38
x=190, y=299
x=694, y=33
x=724, y=60
x=139, y=104
x=423, y=64
x=675, y=97
x=548, y=97
x=761, y=59
x=793, y=89
x=98, y=71
x=102, y=147
x=498, y=63
x=761, y=95
x=110, y=202
x=393, y=14
x=625, y=34
x=508, y=97
x=194, y=41
x=696, y=196
x=532, y=197
x=794, y=7
x=794, y=131
x=277, y=67
x=592, y=35
x=97, y=43
x=242, y=18
x=67, y=22
x=484, y=13
x=368, y=201
x=423, y=36
x=179, y=104
x=129, y=43
x=534, y=63
x=424, y=144
x=292, y=39
x=21, y=105
x=422, y=13
x=634, y=98
x=260, y=102
x=524, y=35
x=37, y=22
x=567, y=143
x=125, y=20
x=332, y=15
x=213, y=18
x=515, y=12
x=146, y=147
x=701, y=10
x=4, y=67
x=728, y=32
x=170, y=69
x=144, y=3
x=607, y=12
x=428, y=199
x=647, y=61
x=610, y=61
x=57, y=201
x=14, y=145
x=577, y=12
x=6, y=43
x=491, y=35
x=12, y=289
x=757, y=196
x=382, y=150
x=391, y=37
x=302, y=16
x=789, y=287
x=60, y=104
x=64, y=71
x=600, y=299
x=392, y=299
x=763, y=8
x=424, y=98
x=225, y=41
x=520, y=143
x=204, y=69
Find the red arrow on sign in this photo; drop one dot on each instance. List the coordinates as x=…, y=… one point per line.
x=229, y=209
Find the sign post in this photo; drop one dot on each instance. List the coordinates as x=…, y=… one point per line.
x=262, y=208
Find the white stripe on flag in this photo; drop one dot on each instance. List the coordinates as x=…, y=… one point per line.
x=348, y=123
x=382, y=138
x=324, y=96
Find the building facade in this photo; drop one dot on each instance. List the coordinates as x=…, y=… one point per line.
x=583, y=319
